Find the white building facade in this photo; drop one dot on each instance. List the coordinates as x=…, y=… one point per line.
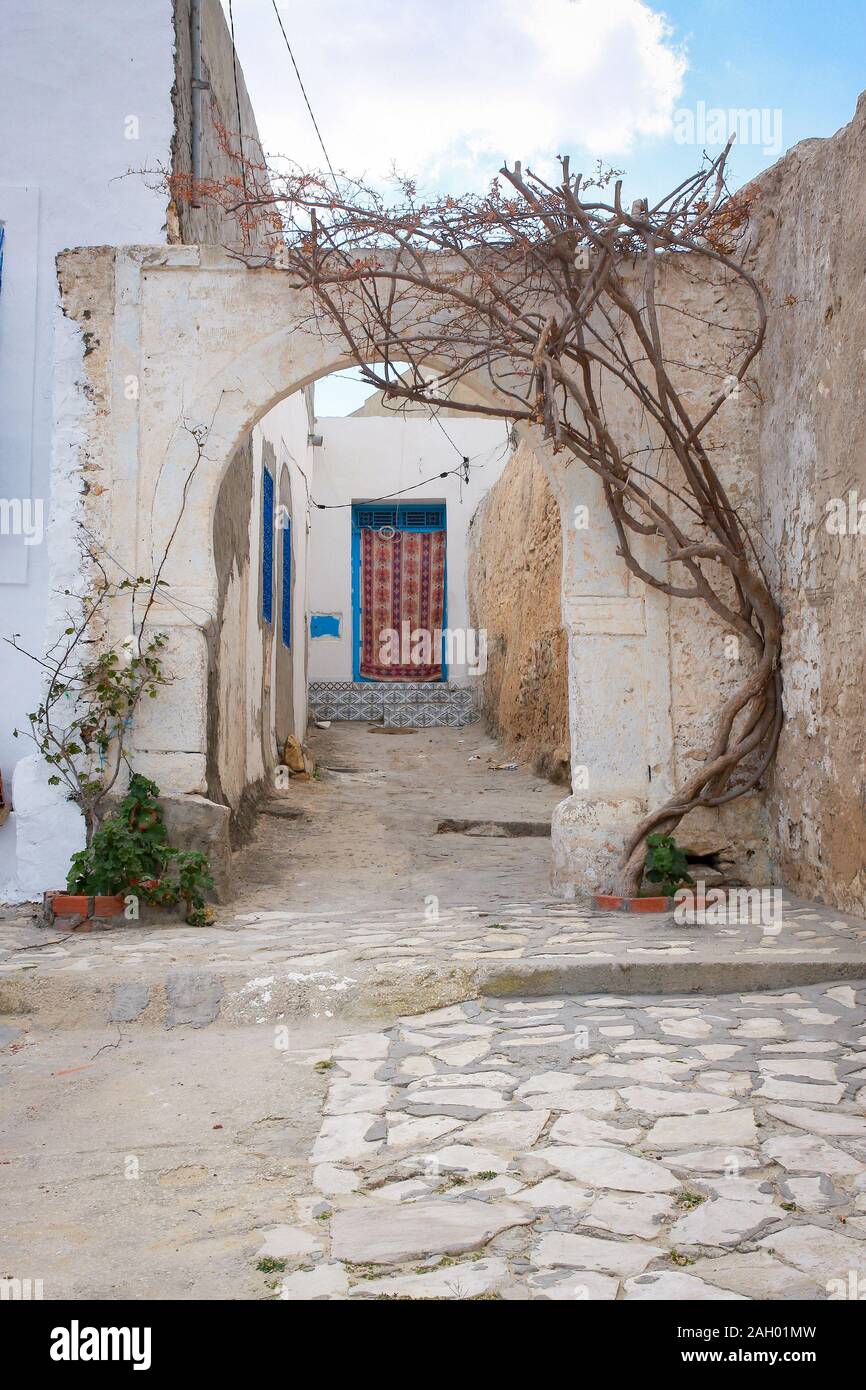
x=98, y=103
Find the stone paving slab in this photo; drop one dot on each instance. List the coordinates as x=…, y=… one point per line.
x=602, y=1147
x=265, y=965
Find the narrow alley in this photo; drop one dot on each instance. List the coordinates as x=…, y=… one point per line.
x=320, y=1096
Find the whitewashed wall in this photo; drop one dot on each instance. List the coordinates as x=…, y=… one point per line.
x=71, y=77
x=86, y=101
x=363, y=458
x=286, y=427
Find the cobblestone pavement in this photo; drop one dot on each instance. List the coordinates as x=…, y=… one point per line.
x=650, y=1143
x=356, y=903
x=275, y=963
x=592, y=1148
x=545, y=932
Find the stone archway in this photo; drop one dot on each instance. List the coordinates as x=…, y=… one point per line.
x=187, y=342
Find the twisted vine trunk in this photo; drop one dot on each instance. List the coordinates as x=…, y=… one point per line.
x=710, y=785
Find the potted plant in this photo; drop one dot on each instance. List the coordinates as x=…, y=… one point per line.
x=129, y=860
x=666, y=866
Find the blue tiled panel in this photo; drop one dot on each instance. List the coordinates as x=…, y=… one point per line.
x=268, y=546
x=407, y=704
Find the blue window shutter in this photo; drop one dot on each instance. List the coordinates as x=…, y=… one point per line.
x=404, y=518
x=287, y=583
x=268, y=547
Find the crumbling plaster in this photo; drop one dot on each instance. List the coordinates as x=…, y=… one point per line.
x=515, y=585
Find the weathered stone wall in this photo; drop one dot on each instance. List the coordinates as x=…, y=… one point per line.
x=809, y=216
x=515, y=577
x=707, y=661
x=208, y=224
x=647, y=675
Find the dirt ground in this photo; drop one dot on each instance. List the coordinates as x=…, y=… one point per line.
x=141, y=1165
x=370, y=838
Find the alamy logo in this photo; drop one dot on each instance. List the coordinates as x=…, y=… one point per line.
x=712, y=125
x=852, y=1287
x=22, y=516
x=846, y=516
x=20, y=1290
x=77, y=1343
x=703, y=907
x=421, y=647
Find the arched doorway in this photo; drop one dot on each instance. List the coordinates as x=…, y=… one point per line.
x=190, y=350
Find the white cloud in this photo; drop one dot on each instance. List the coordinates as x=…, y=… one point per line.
x=447, y=89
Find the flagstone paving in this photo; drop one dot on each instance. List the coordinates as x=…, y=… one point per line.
x=264, y=966
x=399, y=1066
x=358, y=905
x=598, y=1147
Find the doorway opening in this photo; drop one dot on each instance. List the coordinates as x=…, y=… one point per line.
x=399, y=591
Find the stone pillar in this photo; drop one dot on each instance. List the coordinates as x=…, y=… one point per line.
x=619, y=690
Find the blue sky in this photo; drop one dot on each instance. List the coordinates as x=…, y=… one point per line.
x=806, y=60
x=445, y=89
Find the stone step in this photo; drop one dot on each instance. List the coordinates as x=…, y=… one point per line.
x=162, y=995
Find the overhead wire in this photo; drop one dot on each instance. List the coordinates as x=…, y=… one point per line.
x=304, y=94
x=465, y=462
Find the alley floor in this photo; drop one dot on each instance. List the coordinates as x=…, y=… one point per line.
x=397, y=1067
x=357, y=896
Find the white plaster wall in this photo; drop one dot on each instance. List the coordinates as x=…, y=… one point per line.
x=246, y=647
x=363, y=458
x=70, y=76
x=286, y=427
x=85, y=103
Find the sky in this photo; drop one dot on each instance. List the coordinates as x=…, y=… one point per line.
x=445, y=90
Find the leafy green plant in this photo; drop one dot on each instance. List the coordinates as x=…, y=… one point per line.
x=93, y=685
x=112, y=862
x=130, y=853
x=678, y=1258
x=82, y=721
x=666, y=864
x=690, y=1199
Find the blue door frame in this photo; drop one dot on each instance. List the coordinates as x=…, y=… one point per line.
x=410, y=516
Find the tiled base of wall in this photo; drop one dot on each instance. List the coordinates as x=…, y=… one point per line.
x=405, y=706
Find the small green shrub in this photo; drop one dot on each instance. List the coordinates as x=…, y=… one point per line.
x=666, y=864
